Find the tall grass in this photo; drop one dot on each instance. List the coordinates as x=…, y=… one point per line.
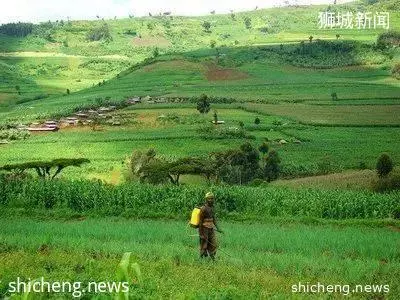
x=255, y=259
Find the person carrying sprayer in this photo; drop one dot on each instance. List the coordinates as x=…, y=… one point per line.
x=207, y=226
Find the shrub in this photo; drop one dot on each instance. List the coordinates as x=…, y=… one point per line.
x=388, y=39
x=384, y=165
x=396, y=71
x=100, y=33
x=156, y=52
x=247, y=22
x=207, y=26
x=386, y=184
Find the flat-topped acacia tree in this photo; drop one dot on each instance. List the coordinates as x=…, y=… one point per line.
x=45, y=168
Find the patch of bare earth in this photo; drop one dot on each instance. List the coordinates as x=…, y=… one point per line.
x=216, y=73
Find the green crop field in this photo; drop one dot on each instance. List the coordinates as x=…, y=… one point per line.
x=296, y=119
x=274, y=257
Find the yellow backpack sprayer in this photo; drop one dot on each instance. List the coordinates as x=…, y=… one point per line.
x=195, y=218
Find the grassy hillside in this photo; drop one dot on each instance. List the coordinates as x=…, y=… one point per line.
x=58, y=56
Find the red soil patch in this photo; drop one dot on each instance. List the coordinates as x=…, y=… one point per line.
x=215, y=73
x=158, y=41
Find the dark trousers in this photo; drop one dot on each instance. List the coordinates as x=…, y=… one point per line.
x=208, y=242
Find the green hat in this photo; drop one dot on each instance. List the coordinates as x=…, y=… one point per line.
x=209, y=195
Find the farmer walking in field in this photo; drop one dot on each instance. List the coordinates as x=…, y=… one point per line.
x=207, y=226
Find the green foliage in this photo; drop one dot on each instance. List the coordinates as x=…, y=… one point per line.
x=203, y=105
x=16, y=29
x=325, y=165
x=247, y=22
x=45, y=30
x=156, y=52
x=100, y=33
x=237, y=166
x=272, y=166
x=264, y=148
x=13, y=134
x=213, y=43
x=386, y=184
x=140, y=200
x=257, y=121
x=207, y=26
x=384, y=165
x=396, y=71
x=43, y=168
x=388, y=39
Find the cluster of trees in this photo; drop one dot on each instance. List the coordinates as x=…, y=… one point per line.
x=100, y=33
x=45, y=168
x=16, y=29
x=236, y=166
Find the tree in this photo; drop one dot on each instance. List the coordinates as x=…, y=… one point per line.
x=203, y=106
x=310, y=38
x=18, y=89
x=17, y=29
x=147, y=168
x=233, y=16
x=189, y=165
x=43, y=168
x=257, y=121
x=272, y=166
x=247, y=22
x=207, y=26
x=213, y=43
x=237, y=166
x=334, y=96
x=384, y=165
x=337, y=36
x=68, y=91
x=100, y=33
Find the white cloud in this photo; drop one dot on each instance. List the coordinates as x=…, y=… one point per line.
x=43, y=10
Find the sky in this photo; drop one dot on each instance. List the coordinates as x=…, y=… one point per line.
x=44, y=10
